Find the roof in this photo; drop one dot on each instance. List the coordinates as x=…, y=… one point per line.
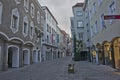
x=78, y=5
x=45, y=7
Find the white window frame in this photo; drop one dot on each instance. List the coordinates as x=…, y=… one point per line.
x=1, y=7
x=96, y=27
x=25, y=20
x=79, y=23
x=103, y=26
x=18, y=1
x=94, y=7
x=100, y=2
x=38, y=17
x=26, y=5
x=31, y=26
x=16, y=14
x=79, y=13
x=32, y=10
x=111, y=11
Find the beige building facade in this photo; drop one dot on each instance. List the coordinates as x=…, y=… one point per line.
x=105, y=33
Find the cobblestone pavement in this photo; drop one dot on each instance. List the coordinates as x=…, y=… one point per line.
x=57, y=70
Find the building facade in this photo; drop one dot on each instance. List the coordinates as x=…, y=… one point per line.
x=105, y=33
x=77, y=29
x=21, y=28
x=51, y=39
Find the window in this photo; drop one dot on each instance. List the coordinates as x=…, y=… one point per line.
x=103, y=26
x=91, y=30
x=112, y=9
x=90, y=14
x=38, y=17
x=94, y=7
x=15, y=20
x=96, y=27
x=32, y=11
x=26, y=5
x=81, y=36
x=80, y=24
x=25, y=26
x=79, y=13
x=31, y=30
x=100, y=2
x=1, y=12
x=47, y=39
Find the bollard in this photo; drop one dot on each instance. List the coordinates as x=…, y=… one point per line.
x=71, y=68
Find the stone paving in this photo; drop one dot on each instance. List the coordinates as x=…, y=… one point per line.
x=57, y=70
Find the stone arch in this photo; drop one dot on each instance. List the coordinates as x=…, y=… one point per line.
x=13, y=56
x=116, y=51
x=17, y=40
x=107, y=52
x=26, y=56
x=4, y=36
x=29, y=43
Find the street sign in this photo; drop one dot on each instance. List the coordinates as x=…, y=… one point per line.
x=106, y=17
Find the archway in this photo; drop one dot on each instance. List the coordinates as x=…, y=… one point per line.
x=13, y=57
x=116, y=51
x=100, y=53
x=26, y=57
x=35, y=56
x=107, y=52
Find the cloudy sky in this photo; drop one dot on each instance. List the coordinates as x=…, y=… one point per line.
x=61, y=10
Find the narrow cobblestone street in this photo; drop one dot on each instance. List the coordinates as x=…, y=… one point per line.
x=57, y=70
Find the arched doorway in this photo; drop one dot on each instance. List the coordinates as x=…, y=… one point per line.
x=26, y=57
x=100, y=53
x=116, y=49
x=13, y=57
x=107, y=53
x=35, y=56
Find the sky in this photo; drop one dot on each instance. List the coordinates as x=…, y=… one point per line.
x=62, y=11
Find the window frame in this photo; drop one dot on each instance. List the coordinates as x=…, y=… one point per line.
x=25, y=20
x=32, y=10
x=31, y=31
x=16, y=14
x=26, y=5
x=79, y=24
